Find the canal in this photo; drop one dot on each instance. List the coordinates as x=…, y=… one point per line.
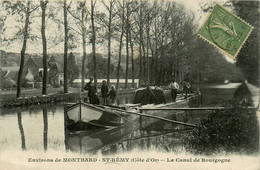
x=41, y=128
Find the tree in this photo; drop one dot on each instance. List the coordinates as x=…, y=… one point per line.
x=80, y=15
x=107, y=23
x=122, y=23
x=44, y=44
x=72, y=68
x=248, y=57
x=83, y=27
x=140, y=40
x=132, y=58
x=25, y=36
x=93, y=40
x=130, y=8
x=65, y=46
x=22, y=10
x=127, y=41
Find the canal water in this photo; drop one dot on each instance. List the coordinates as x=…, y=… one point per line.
x=41, y=128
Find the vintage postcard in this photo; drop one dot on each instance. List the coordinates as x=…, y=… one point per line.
x=129, y=84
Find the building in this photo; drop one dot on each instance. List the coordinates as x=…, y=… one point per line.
x=33, y=65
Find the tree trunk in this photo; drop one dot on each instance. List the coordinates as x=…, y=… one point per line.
x=144, y=64
x=141, y=71
x=25, y=36
x=127, y=48
x=119, y=57
x=93, y=42
x=120, y=47
x=83, y=16
x=132, y=59
x=147, y=49
x=44, y=44
x=152, y=68
x=65, y=47
x=109, y=42
x=141, y=62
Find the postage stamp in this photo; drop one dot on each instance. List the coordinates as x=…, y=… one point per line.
x=225, y=31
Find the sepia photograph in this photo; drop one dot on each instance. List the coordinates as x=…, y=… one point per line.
x=129, y=84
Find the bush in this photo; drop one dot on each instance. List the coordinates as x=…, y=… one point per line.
x=234, y=130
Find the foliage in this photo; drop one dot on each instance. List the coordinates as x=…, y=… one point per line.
x=248, y=57
x=234, y=130
x=102, y=67
x=73, y=69
x=53, y=77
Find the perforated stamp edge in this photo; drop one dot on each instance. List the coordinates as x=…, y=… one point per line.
x=223, y=51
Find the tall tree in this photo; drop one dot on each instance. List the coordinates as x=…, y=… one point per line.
x=122, y=16
x=65, y=76
x=93, y=40
x=44, y=45
x=83, y=27
x=130, y=8
x=127, y=41
x=132, y=58
x=108, y=24
x=140, y=25
x=147, y=45
x=80, y=15
x=25, y=36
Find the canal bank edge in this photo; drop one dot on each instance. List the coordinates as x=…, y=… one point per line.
x=53, y=98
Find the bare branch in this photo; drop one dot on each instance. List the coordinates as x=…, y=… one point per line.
x=69, y=5
x=34, y=9
x=74, y=16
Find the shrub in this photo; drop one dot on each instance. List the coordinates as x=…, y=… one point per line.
x=234, y=130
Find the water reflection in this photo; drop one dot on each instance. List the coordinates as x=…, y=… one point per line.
x=145, y=140
x=20, y=125
x=41, y=128
x=45, y=128
x=91, y=140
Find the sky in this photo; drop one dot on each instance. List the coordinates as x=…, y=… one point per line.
x=54, y=32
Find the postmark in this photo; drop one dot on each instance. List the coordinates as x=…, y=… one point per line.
x=225, y=31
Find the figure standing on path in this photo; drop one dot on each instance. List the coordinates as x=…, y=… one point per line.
x=92, y=92
x=112, y=95
x=174, y=87
x=104, y=91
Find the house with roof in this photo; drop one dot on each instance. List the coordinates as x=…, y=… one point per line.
x=34, y=66
x=33, y=70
